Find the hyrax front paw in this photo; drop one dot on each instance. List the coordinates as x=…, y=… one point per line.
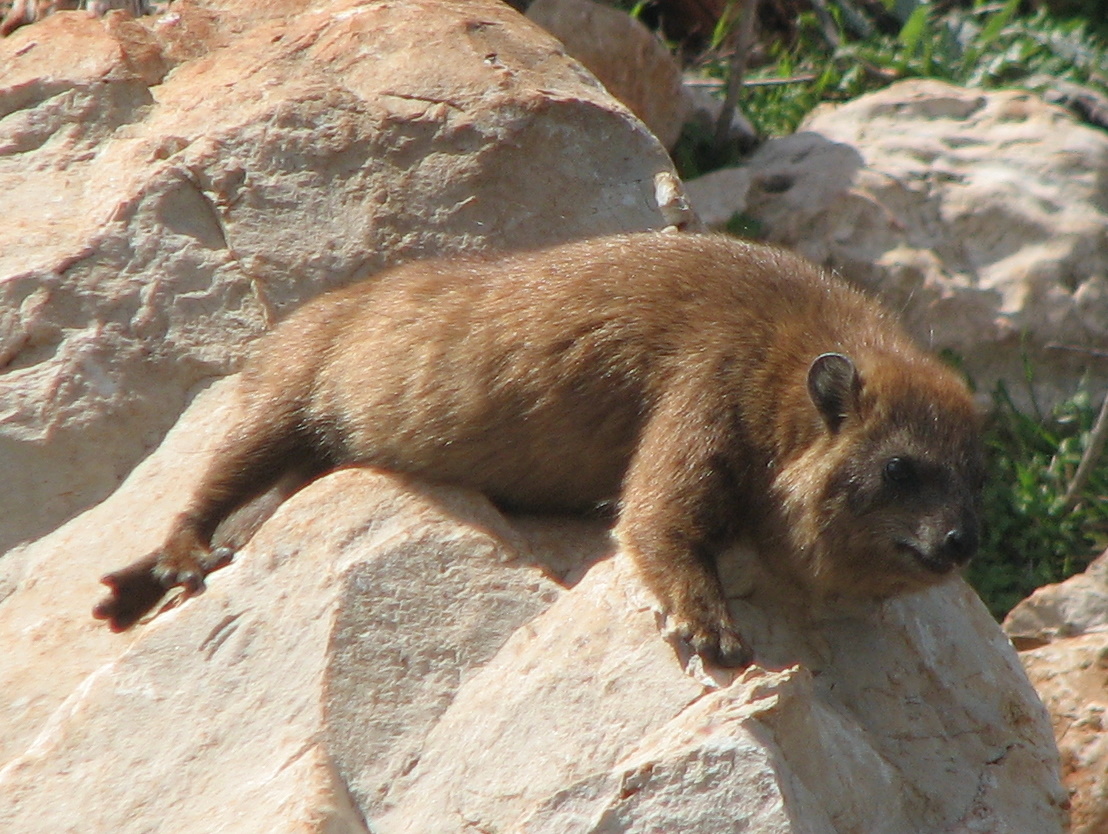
x=715, y=639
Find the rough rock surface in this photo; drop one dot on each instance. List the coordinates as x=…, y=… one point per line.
x=1064, y=629
x=400, y=654
x=627, y=57
x=983, y=216
x=172, y=185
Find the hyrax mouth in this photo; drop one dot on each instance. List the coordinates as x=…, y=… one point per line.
x=932, y=562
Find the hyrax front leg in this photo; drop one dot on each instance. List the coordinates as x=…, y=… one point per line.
x=674, y=504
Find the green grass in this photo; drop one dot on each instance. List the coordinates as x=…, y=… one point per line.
x=988, y=46
x=1028, y=538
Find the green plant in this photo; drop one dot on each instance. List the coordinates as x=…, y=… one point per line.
x=741, y=224
x=696, y=152
x=989, y=45
x=1029, y=539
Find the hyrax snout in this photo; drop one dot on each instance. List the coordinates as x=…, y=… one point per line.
x=717, y=388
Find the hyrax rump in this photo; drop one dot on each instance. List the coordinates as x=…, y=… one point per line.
x=719, y=388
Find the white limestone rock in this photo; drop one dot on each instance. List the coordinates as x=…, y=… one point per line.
x=172, y=185
x=628, y=59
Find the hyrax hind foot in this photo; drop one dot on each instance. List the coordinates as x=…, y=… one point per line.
x=137, y=588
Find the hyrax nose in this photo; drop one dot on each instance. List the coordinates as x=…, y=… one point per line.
x=961, y=543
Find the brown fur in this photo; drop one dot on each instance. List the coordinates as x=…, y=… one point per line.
x=717, y=387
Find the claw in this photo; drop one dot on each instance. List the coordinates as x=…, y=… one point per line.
x=219, y=557
x=731, y=650
x=190, y=579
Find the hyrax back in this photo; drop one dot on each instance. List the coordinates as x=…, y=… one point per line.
x=717, y=387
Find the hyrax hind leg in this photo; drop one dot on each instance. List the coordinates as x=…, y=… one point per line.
x=675, y=501
x=263, y=448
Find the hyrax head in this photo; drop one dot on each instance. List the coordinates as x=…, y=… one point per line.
x=897, y=495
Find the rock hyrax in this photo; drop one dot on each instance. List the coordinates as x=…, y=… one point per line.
x=717, y=388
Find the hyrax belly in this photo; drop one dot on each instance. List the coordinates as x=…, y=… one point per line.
x=714, y=386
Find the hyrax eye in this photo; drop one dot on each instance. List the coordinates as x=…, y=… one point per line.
x=900, y=472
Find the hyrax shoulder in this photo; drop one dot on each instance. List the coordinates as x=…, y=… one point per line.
x=716, y=387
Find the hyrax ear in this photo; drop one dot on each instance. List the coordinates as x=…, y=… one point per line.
x=834, y=386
